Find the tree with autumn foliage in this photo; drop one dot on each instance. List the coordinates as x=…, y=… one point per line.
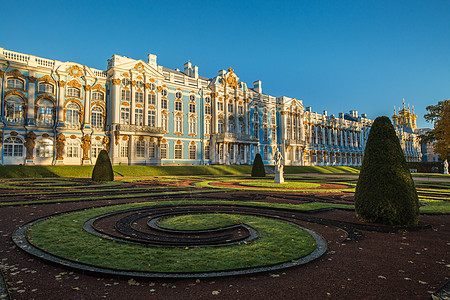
x=440, y=135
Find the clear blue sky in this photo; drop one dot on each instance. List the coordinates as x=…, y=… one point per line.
x=334, y=55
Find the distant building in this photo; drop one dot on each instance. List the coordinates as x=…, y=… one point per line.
x=405, y=125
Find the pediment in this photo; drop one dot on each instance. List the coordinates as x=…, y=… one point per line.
x=139, y=66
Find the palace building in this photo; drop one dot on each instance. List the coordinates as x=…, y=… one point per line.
x=142, y=113
x=406, y=128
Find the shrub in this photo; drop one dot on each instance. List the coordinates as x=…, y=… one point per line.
x=385, y=192
x=103, y=170
x=258, y=167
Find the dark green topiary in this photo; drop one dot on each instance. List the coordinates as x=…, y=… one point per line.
x=385, y=192
x=103, y=170
x=258, y=167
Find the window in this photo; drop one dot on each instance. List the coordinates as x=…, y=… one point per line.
x=207, y=152
x=164, y=93
x=221, y=151
x=272, y=120
x=240, y=109
x=164, y=150
x=288, y=121
x=231, y=126
x=178, y=151
x=126, y=95
x=44, y=87
x=152, y=150
x=72, y=149
x=73, y=92
x=266, y=153
x=97, y=117
x=192, y=98
x=220, y=126
x=140, y=85
x=220, y=106
x=178, y=95
x=179, y=124
x=265, y=134
x=274, y=134
x=139, y=97
x=98, y=96
x=178, y=106
x=256, y=130
x=14, y=110
x=96, y=148
x=192, y=152
x=14, y=83
x=264, y=118
x=152, y=118
x=164, y=103
x=13, y=146
x=73, y=115
x=125, y=82
x=208, y=100
x=151, y=99
x=124, y=149
x=207, y=126
x=124, y=115
x=255, y=117
x=44, y=148
x=241, y=127
x=230, y=108
x=140, y=148
x=207, y=109
x=192, y=108
x=139, y=116
x=192, y=126
x=45, y=113
x=165, y=122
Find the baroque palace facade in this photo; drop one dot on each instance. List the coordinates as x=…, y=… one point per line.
x=142, y=113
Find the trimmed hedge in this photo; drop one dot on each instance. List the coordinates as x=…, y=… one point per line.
x=103, y=169
x=258, y=167
x=385, y=192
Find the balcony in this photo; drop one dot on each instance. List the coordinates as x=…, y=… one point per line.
x=140, y=130
x=235, y=137
x=290, y=142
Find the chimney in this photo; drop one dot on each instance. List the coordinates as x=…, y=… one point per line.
x=222, y=72
x=354, y=113
x=151, y=59
x=363, y=115
x=308, y=109
x=257, y=86
x=187, y=68
x=325, y=113
x=341, y=115
x=195, y=72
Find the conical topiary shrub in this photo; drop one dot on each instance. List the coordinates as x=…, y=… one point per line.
x=385, y=192
x=258, y=167
x=103, y=170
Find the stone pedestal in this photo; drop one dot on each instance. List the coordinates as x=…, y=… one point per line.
x=279, y=176
x=29, y=162
x=59, y=162
x=86, y=162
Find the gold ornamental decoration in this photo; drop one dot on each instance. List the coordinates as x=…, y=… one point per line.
x=87, y=87
x=16, y=73
x=98, y=87
x=74, y=83
x=32, y=79
x=75, y=70
x=60, y=143
x=133, y=83
x=139, y=67
x=17, y=93
x=231, y=79
x=61, y=83
x=116, y=81
x=86, y=145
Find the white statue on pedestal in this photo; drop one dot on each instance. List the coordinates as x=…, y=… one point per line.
x=279, y=178
x=446, y=167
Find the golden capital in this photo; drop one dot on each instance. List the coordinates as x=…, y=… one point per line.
x=61, y=83
x=116, y=81
x=87, y=87
x=133, y=83
x=31, y=79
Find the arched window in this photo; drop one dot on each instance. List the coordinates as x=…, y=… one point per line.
x=140, y=148
x=231, y=126
x=14, y=110
x=72, y=148
x=13, y=146
x=125, y=115
x=207, y=126
x=96, y=147
x=220, y=126
x=126, y=95
x=163, y=150
x=165, y=122
x=15, y=83
x=97, y=117
x=139, y=97
x=164, y=92
x=73, y=92
x=179, y=124
x=192, y=126
x=73, y=115
x=178, y=106
x=44, y=148
x=45, y=87
x=152, y=149
x=207, y=152
x=178, y=151
x=192, y=151
x=45, y=113
x=178, y=95
x=98, y=95
x=139, y=116
x=151, y=99
x=151, y=118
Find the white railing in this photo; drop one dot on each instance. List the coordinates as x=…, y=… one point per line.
x=99, y=73
x=16, y=56
x=44, y=62
x=178, y=79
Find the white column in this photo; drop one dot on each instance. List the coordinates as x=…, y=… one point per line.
x=60, y=101
x=115, y=103
x=133, y=102
x=146, y=88
x=87, y=105
x=31, y=97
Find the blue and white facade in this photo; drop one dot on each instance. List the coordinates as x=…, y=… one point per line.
x=145, y=114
